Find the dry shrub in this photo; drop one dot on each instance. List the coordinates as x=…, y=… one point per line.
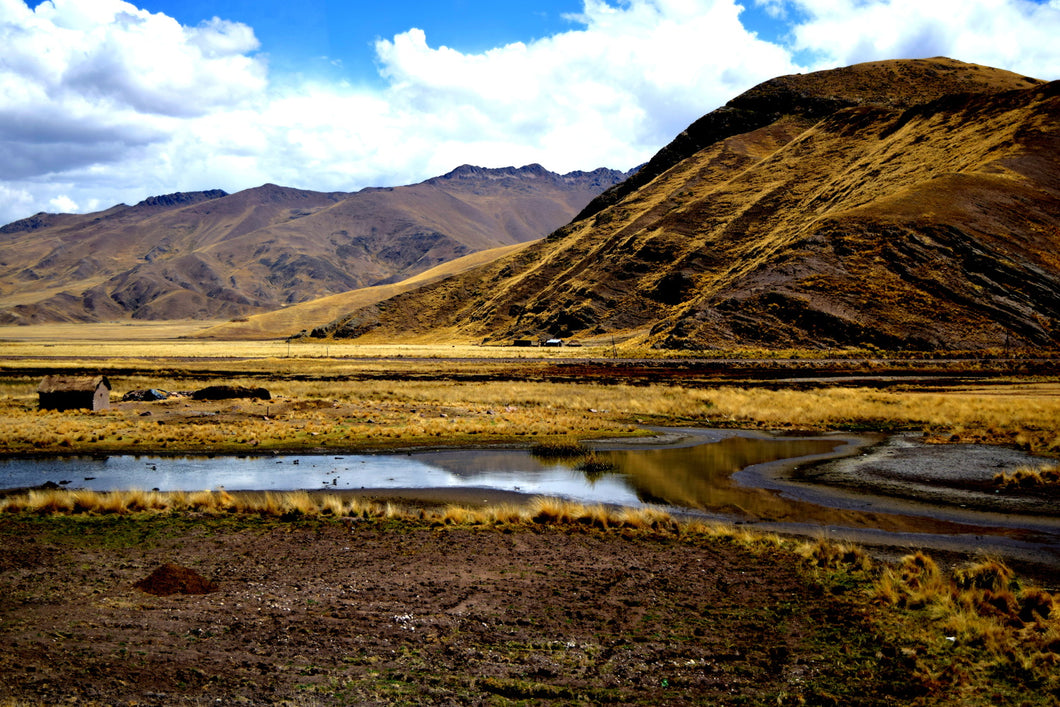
x=1037, y=605
x=110, y=502
x=596, y=516
x=82, y=501
x=269, y=505
x=459, y=515
x=916, y=582
x=299, y=503
x=546, y=510
x=332, y=506
x=505, y=514
x=51, y=501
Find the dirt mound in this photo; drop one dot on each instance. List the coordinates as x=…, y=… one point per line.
x=173, y=579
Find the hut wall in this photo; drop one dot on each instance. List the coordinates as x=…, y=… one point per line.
x=101, y=398
x=67, y=400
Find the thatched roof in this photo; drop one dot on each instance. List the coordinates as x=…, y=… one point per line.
x=71, y=384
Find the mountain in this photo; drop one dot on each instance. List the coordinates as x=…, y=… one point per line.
x=907, y=204
x=206, y=255
x=299, y=318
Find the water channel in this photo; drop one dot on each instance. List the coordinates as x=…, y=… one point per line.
x=886, y=491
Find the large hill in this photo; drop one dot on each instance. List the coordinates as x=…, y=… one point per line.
x=900, y=204
x=208, y=255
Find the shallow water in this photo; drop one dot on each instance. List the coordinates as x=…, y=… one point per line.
x=693, y=477
x=772, y=482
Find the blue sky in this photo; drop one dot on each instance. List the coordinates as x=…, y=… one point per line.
x=335, y=38
x=109, y=101
x=309, y=36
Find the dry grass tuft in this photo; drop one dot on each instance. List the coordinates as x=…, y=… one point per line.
x=558, y=450
x=987, y=575
x=826, y=554
x=296, y=504
x=1025, y=477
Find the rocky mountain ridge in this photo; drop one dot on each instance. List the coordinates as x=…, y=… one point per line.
x=209, y=254
x=906, y=204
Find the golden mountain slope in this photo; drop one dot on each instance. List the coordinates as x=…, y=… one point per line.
x=867, y=205
x=211, y=255
x=298, y=318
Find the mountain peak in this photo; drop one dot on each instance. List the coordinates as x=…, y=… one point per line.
x=210, y=254
x=183, y=198
x=467, y=171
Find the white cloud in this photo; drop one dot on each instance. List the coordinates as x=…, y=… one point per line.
x=126, y=103
x=63, y=204
x=88, y=88
x=1019, y=35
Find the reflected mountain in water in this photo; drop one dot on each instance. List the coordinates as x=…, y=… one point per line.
x=700, y=476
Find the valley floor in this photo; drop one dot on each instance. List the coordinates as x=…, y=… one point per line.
x=327, y=611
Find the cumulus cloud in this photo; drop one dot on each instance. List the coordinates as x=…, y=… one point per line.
x=1019, y=35
x=63, y=204
x=89, y=83
x=124, y=101
x=612, y=91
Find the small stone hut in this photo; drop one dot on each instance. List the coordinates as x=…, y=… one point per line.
x=74, y=393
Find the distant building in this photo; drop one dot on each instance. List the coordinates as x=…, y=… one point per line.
x=553, y=342
x=74, y=393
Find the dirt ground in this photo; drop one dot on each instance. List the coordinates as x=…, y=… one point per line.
x=374, y=612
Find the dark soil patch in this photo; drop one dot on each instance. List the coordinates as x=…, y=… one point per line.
x=318, y=612
x=230, y=392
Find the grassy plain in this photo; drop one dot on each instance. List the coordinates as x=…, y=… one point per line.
x=971, y=635
x=334, y=396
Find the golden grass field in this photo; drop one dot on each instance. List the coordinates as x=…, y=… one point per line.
x=350, y=396
x=373, y=413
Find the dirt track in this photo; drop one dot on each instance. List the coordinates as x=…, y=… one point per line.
x=318, y=612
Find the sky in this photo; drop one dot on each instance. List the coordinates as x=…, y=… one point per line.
x=106, y=101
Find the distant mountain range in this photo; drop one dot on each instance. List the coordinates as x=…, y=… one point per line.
x=909, y=204
x=209, y=255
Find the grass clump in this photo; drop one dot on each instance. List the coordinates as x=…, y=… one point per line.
x=1028, y=477
x=558, y=450
x=293, y=505
x=992, y=624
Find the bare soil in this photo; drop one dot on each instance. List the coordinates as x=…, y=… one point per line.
x=372, y=612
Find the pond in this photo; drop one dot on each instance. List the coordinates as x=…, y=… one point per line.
x=692, y=474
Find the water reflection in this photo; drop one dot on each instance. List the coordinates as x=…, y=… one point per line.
x=700, y=476
x=695, y=476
